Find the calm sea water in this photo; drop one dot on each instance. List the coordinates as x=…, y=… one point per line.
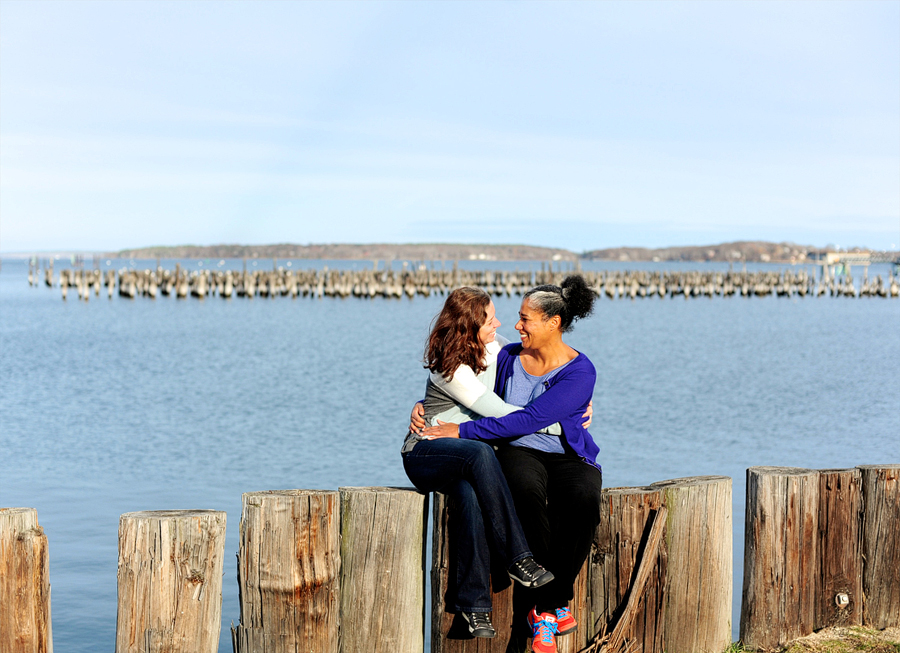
x=114, y=406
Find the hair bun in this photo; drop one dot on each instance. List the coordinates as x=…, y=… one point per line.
x=571, y=301
x=578, y=296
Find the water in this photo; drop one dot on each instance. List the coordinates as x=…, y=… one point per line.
x=116, y=406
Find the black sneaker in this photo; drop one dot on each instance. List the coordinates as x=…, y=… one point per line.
x=479, y=624
x=529, y=573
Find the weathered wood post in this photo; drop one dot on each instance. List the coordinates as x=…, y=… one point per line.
x=383, y=536
x=170, y=581
x=580, y=606
x=441, y=620
x=699, y=565
x=838, y=589
x=447, y=632
x=601, y=590
x=822, y=549
x=682, y=564
x=289, y=572
x=25, y=625
x=620, y=546
x=881, y=544
x=780, y=555
x=446, y=636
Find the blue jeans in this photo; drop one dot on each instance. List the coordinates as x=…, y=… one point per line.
x=468, y=472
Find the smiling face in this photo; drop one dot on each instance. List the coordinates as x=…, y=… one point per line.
x=488, y=330
x=535, y=329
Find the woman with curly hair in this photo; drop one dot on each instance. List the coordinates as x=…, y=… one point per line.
x=461, y=353
x=555, y=480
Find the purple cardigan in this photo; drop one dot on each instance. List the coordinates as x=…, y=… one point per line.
x=564, y=400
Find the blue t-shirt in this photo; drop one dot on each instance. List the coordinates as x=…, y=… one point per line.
x=521, y=389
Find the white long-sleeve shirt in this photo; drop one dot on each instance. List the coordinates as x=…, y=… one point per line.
x=474, y=393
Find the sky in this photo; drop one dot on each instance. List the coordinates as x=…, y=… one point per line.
x=580, y=125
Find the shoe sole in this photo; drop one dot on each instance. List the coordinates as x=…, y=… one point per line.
x=568, y=631
x=483, y=635
x=554, y=649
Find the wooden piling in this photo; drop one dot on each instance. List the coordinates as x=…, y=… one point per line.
x=383, y=558
x=699, y=565
x=580, y=606
x=25, y=625
x=822, y=549
x=780, y=556
x=618, y=638
x=170, y=581
x=448, y=634
x=289, y=572
x=418, y=280
x=620, y=545
x=683, y=603
x=881, y=544
x=838, y=590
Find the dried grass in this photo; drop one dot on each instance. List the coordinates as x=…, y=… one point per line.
x=852, y=639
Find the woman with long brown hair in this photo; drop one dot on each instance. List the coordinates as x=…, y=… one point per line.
x=461, y=352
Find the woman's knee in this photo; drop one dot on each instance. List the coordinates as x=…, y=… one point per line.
x=524, y=473
x=586, y=497
x=481, y=455
x=481, y=448
x=528, y=490
x=582, y=501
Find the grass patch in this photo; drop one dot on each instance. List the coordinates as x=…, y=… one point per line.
x=838, y=640
x=736, y=647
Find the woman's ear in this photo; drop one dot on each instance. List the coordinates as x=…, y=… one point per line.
x=555, y=322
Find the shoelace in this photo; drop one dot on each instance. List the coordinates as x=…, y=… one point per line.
x=528, y=565
x=562, y=613
x=546, y=631
x=480, y=620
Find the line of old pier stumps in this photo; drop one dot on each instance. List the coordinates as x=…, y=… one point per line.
x=421, y=280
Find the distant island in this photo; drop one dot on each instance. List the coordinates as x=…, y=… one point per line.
x=346, y=251
x=739, y=251
x=751, y=251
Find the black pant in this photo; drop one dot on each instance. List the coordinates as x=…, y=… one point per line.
x=557, y=498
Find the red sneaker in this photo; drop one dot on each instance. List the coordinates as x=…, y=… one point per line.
x=543, y=629
x=565, y=622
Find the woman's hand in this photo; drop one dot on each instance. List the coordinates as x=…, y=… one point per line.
x=417, y=418
x=442, y=430
x=588, y=414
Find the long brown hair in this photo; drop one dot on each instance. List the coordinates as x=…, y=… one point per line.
x=453, y=340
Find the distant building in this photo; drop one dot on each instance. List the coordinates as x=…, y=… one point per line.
x=851, y=258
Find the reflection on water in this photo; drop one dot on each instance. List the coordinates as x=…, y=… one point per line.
x=116, y=406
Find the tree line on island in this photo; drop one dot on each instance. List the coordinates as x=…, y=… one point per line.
x=740, y=251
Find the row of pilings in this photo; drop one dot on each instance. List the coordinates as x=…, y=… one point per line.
x=409, y=282
x=344, y=571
